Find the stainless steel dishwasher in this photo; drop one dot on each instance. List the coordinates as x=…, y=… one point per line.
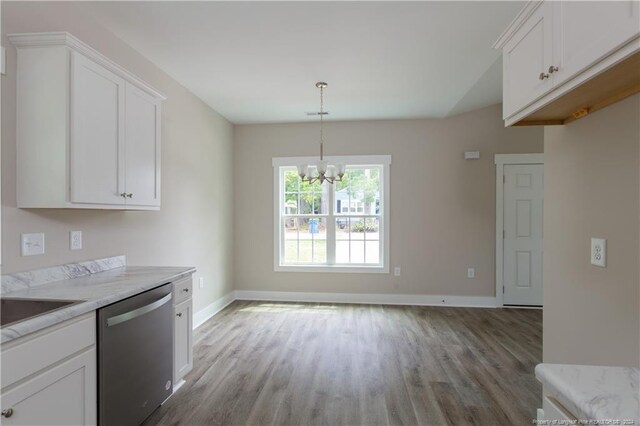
x=135, y=357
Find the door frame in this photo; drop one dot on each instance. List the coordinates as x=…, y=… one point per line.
x=501, y=160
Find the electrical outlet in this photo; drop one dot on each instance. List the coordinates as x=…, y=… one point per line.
x=201, y=282
x=471, y=272
x=396, y=271
x=599, y=252
x=75, y=240
x=32, y=244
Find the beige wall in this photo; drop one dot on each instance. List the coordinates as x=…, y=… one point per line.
x=591, y=314
x=195, y=224
x=442, y=207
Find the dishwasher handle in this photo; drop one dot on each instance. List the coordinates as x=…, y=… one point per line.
x=137, y=312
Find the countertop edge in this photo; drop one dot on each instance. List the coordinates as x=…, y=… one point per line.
x=550, y=384
x=557, y=387
x=41, y=322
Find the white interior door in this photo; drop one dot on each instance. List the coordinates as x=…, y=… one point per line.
x=522, y=258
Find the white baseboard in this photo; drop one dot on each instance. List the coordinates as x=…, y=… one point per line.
x=374, y=299
x=209, y=311
x=206, y=313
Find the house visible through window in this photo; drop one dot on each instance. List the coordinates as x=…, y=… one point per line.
x=331, y=225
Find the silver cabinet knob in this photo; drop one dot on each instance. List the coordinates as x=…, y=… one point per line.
x=179, y=314
x=123, y=195
x=552, y=69
x=7, y=413
x=542, y=76
x=129, y=195
x=186, y=290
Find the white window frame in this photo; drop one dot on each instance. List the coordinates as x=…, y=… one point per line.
x=384, y=161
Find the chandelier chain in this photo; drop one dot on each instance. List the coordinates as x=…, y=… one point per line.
x=321, y=122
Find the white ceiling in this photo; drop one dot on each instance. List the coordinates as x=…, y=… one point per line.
x=259, y=61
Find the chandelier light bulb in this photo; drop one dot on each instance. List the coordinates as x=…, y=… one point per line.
x=303, y=170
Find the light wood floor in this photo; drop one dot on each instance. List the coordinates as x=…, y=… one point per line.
x=265, y=363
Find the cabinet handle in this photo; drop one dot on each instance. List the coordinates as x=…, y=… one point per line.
x=179, y=314
x=552, y=69
x=129, y=195
x=7, y=413
x=123, y=195
x=542, y=76
x=186, y=290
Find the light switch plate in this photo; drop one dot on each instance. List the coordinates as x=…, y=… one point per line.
x=396, y=271
x=75, y=240
x=471, y=272
x=32, y=244
x=599, y=252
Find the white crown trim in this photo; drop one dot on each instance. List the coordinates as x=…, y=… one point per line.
x=61, y=38
x=517, y=22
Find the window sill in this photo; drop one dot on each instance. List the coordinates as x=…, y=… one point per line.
x=331, y=268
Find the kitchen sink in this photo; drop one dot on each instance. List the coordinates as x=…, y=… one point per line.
x=13, y=310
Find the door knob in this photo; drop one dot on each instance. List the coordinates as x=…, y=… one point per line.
x=7, y=413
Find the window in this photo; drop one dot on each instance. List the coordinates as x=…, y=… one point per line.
x=332, y=227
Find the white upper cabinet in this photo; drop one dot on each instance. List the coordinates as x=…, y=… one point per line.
x=94, y=140
x=142, y=150
x=565, y=59
x=525, y=60
x=97, y=136
x=588, y=30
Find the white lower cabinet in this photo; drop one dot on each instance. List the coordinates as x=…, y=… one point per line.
x=61, y=395
x=183, y=351
x=183, y=330
x=554, y=411
x=50, y=377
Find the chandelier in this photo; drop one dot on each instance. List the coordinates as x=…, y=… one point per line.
x=322, y=171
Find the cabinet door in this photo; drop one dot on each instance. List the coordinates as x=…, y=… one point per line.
x=527, y=57
x=142, y=148
x=97, y=134
x=586, y=31
x=183, y=350
x=62, y=395
x=554, y=411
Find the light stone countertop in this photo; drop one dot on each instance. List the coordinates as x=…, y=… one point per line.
x=594, y=392
x=93, y=289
